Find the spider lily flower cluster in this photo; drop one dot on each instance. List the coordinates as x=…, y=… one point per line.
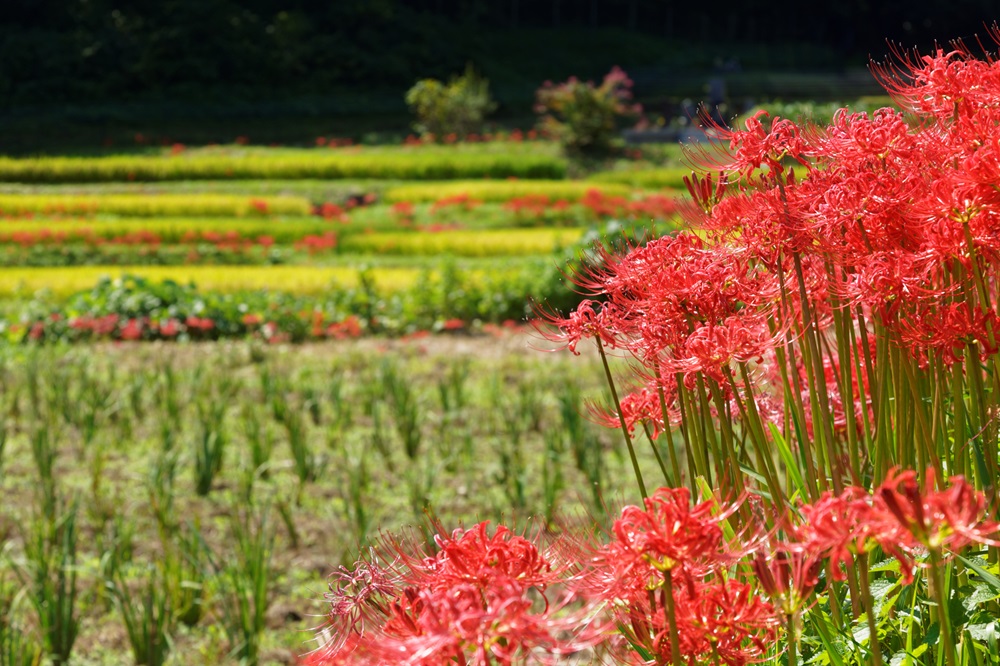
x=837, y=289
x=671, y=582
x=829, y=318
x=822, y=345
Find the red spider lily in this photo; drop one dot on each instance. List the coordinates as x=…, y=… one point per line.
x=459, y=626
x=837, y=527
x=589, y=320
x=602, y=205
x=314, y=243
x=476, y=558
x=132, y=330
x=403, y=208
x=348, y=328
x=933, y=519
x=170, y=328
x=331, y=211
x=457, y=201
x=787, y=575
x=638, y=407
x=727, y=623
x=196, y=324
x=902, y=518
x=531, y=204
x=99, y=326
x=643, y=406
x=719, y=621
x=669, y=533
x=474, y=602
x=665, y=537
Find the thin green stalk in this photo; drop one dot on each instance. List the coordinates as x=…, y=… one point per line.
x=694, y=449
x=935, y=572
x=875, y=648
x=675, y=468
x=818, y=398
x=748, y=411
x=791, y=639
x=656, y=453
x=728, y=441
x=814, y=480
x=707, y=430
x=621, y=420
x=670, y=614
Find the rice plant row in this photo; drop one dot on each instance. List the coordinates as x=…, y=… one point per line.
x=63, y=281
x=485, y=190
x=179, y=507
x=151, y=206
x=325, y=165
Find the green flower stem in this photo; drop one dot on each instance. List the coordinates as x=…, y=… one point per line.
x=675, y=468
x=791, y=638
x=621, y=420
x=875, y=649
x=697, y=465
x=937, y=583
x=668, y=611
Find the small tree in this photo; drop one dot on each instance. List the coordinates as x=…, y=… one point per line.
x=457, y=108
x=584, y=117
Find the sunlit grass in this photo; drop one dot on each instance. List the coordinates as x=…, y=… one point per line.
x=152, y=205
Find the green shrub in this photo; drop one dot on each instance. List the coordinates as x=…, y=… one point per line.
x=456, y=108
x=582, y=116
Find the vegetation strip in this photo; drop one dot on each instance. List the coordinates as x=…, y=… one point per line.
x=652, y=179
x=327, y=165
x=501, y=191
x=155, y=205
x=482, y=243
x=62, y=281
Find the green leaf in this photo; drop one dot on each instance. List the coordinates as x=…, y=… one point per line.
x=759, y=478
x=787, y=457
x=708, y=494
x=980, y=593
x=891, y=564
x=819, y=621
x=983, y=632
x=884, y=592
x=987, y=577
x=932, y=637
x=861, y=632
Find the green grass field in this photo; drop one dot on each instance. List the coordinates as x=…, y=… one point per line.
x=163, y=471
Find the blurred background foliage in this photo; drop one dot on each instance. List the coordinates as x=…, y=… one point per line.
x=80, y=67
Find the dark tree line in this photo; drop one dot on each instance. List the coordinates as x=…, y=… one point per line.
x=65, y=51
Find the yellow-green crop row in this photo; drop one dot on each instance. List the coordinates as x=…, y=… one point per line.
x=171, y=230
x=305, y=280
x=463, y=243
x=650, y=179
x=325, y=165
x=503, y=190
x=153, y=205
